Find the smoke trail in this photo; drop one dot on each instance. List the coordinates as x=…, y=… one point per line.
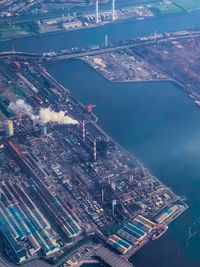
x=44, y=116
x=21, y=107
x=47, y=115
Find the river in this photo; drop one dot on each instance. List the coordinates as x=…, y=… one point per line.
x=115, y=32
x=155, y=121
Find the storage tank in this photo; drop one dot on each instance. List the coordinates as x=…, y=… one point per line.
x=8, y=128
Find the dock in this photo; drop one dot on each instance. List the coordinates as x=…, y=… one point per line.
x=111, y=258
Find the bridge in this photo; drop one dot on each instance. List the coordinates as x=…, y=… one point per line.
x=82, y=52
x=56, y=57
x=16, y=54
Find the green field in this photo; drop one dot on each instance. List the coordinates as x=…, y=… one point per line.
x=15, y=31
x=163, y=8
x=187, y=5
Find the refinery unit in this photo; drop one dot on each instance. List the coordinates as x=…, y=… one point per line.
x=64, y=178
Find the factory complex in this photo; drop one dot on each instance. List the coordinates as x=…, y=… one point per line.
x=134, y=233
x=65, y=183
x=99, y=15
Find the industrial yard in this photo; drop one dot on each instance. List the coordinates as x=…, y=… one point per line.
x=65, y=183
x=123, y=66
x=93, y=19
x=169, y=56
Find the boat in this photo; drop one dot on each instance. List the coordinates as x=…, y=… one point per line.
x=160, y=232
x=197, y=102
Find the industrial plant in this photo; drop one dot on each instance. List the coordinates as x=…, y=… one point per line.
x=65, y=182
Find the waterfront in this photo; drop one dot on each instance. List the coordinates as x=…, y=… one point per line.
x=157, y=122
x=161, y=126
x=115, y=32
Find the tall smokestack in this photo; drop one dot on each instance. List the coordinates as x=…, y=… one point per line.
x=113, y=206
x=106, y=40
x=102, y=195
x=97, y=11
x=84, y=131
x=95, y=150
x=113, y=10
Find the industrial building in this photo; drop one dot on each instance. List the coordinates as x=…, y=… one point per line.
x=143, y=223
x=58, y=184
x=72, y=25
x=137, y=230
x=132, y=233
x=119, y=244
x=26, y=227
x=59, y=212
x=167, y=213
x=10, y=243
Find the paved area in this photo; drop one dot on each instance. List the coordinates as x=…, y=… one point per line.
x=111, y=258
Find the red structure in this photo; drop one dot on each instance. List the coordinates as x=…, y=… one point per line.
x=90, y=107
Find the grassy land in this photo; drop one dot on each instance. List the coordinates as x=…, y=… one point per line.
x=187, y=5
x=16, y=31
x=163, y=8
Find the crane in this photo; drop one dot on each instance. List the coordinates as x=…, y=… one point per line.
x=90, y=107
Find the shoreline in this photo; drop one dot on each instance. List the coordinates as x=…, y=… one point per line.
x=178, y=213
x=191, y=94
x=120, y=21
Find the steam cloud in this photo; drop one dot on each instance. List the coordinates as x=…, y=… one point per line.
x=45, y=114
x=20, y=106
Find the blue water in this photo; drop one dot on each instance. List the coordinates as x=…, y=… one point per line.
x=115, y=32
x=161, y=126
x=155, y=121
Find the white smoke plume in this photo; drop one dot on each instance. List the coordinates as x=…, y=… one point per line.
x=47, y=115
x=21, y=107
x=44, y=116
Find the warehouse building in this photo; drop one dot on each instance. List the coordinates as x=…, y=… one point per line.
x=134, y=232
x=119, y=244
x=167, y=213
x=26, y=226
x=144, y=224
